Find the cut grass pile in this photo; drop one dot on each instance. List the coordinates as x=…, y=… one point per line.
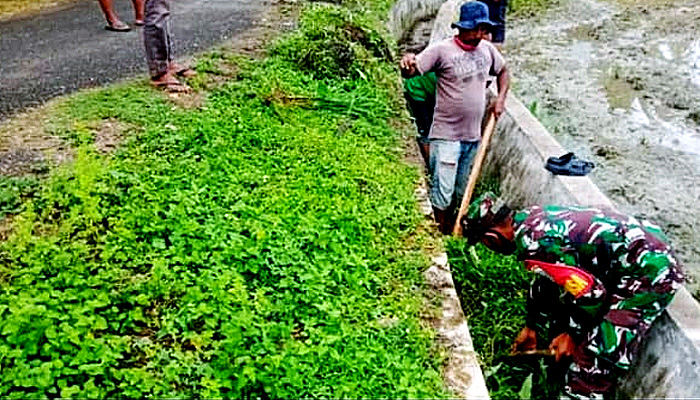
x=256, y=246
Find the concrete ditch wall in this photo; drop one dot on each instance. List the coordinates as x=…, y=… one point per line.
x=668, y=364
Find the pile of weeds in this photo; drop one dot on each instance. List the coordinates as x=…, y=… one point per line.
x=335, y=44
x=254, y=247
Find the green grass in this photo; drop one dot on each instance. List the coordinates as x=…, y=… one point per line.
x=264, y=245
x=493, y=291
x=493, y=295
x=13, y=191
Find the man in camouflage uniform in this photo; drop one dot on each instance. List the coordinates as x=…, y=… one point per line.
x=601, y=279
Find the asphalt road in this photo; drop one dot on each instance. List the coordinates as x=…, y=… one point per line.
x=60, y=51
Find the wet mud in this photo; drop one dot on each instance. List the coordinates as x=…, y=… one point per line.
x=618, y=82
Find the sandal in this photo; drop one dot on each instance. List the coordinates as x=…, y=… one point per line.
x=186, y=73
x=118, y=26
x=561, y=160
x=172, y=87
x=569, y=165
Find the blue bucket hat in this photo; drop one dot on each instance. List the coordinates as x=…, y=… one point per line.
x=473, y=14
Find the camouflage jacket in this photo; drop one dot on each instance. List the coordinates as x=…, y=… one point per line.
x=615, y=263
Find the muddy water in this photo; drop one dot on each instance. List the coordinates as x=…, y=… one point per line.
x=618, y=82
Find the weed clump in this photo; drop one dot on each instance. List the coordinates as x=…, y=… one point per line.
x=493, y=293
x=529, y=8
x=333, y=43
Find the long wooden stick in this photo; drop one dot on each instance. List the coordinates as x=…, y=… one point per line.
x=537, y=353
x=475, y=172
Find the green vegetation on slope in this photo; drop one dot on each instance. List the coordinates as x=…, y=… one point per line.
x=493, y=295
x=256, y=246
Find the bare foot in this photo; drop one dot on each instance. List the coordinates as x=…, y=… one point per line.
x=181, y=71
x=117, y=26
x=170, y=84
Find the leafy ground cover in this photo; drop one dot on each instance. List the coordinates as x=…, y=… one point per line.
x=262, y=241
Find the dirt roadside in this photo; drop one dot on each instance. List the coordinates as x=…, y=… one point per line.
x=28, y=148
x=25, y=8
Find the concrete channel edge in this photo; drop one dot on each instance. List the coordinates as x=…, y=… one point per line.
x=668, y=364
x=462, y=372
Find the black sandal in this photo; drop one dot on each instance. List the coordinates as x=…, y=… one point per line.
x=569, y=165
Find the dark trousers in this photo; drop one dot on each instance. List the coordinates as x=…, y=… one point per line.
x=422, y=112
x=156, y=36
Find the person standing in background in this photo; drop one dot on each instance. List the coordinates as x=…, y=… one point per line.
x=462, y=65
x=159, y=53
x=497, y=14
x=114, y=23
x=419, y=92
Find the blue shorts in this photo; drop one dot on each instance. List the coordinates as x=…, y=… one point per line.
x=450, y=163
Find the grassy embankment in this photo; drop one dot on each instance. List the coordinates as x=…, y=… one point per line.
x=264, y=244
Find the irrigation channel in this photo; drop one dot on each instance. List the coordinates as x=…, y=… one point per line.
x=618, y=83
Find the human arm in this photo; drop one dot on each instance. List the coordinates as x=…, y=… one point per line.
x=554, y=308
x=563, y=346
x=427, y=60
x=503, y=80
x=526, y=340
x=408, y=65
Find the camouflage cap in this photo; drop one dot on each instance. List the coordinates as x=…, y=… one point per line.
x=482, y=206
x=479, y=215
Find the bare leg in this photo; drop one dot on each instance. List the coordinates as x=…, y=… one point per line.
x=113, y=21
x=108, y=10
x=169, y=83
x=425, y=152
x=138, y=11
x=156, y=36
x=181, y=70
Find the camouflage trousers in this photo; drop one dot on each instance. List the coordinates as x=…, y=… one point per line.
x=607, y=349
